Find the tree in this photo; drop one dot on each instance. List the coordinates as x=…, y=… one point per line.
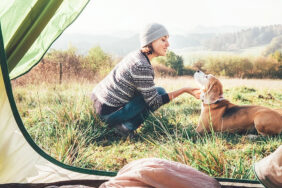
x=274, y=46
x=277, y=55
x=97, y=59
x=175, y=62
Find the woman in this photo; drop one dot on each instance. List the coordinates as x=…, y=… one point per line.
x=124, y=98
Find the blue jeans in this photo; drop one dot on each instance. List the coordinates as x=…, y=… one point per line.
x=133, y=114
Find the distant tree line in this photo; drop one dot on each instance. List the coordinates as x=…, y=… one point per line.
x=243, y=67
x=275, y=45
x=95, y=63
x=247, y=38
x=65, y=65
x=59, y=65
x=228, y=66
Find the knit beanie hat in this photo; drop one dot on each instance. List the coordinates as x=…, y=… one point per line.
x=151, y=32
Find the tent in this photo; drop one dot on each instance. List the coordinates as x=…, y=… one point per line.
x=27, y=30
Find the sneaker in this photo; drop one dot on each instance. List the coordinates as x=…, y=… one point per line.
x=123, y=130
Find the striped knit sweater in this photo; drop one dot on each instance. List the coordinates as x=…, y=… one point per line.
x=133, y=76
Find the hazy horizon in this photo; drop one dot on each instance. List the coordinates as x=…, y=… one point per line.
x=112, y=23
x=179, y=16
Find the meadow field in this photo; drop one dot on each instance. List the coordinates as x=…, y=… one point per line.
x=60, y=119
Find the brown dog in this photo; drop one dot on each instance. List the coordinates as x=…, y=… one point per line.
x=218, y=114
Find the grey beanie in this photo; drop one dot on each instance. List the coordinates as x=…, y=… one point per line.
x=151, y=32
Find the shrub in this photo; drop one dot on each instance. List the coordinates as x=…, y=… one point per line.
x=242, y=67
x=163, y=71
x=171, y=60
x=65, y=65
x=98, y=61
x=266, y=67
x=188, y=70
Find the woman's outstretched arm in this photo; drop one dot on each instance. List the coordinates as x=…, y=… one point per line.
x=192, y=91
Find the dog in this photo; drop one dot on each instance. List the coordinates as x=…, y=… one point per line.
x=220, y=115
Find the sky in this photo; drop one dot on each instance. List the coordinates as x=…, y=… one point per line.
x=110, y=16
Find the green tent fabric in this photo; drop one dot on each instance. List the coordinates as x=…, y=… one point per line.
x=29, y=28
x=21, y=160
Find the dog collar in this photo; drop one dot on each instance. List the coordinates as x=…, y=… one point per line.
x=221, y=98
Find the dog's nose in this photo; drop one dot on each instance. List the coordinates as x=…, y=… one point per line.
x=198, y=71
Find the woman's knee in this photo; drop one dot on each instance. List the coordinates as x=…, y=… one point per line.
x=160, y=90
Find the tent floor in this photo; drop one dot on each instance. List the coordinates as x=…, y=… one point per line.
x=97, y=183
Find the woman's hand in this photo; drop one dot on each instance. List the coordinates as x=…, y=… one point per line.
x=192, y=91
x=196, y=92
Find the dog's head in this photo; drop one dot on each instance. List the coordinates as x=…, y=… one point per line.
x=211, y=87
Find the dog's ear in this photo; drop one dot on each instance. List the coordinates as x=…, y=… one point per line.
x=213, y=92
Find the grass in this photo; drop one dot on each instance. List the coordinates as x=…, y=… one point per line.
x=61, y=121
